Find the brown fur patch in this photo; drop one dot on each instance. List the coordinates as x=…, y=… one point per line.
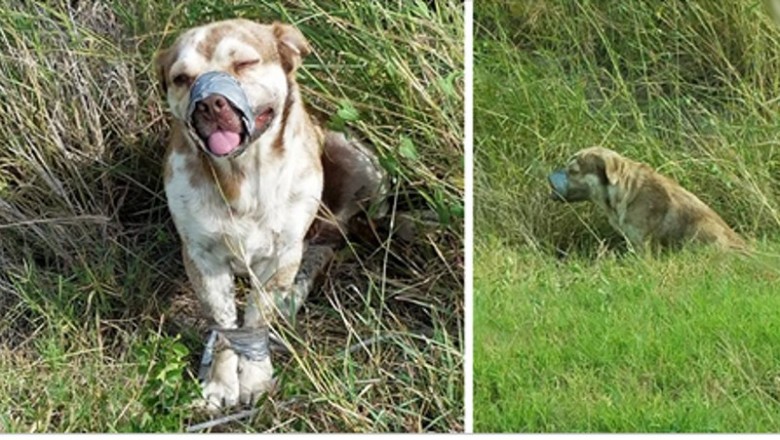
x=262, y=40
x=291, y=44
x=256, y=35
x=228, y=181
x=162, y=63
x=292, y=89
x=176, y=143
x=214, y=36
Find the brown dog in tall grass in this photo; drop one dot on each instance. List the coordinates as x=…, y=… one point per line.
x=647, y=208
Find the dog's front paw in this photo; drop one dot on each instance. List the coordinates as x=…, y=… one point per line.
x=255, y=378
x=221, y=387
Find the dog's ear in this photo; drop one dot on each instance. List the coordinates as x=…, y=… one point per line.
x=614, y=168
x=162, y=62
x=292, y=45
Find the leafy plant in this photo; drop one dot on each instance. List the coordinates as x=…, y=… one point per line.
x=169, y=389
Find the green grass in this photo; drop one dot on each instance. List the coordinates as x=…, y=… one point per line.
x=659, y=86
x=571, y=332
x=99, y=330
x=685, y=343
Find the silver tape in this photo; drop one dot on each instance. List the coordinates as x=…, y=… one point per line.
x=560, y=182
x=251, y=343
x=208, y=356
x=221, y=83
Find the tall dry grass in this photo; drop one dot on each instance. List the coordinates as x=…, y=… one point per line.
x=690, y=88
x=92, y=292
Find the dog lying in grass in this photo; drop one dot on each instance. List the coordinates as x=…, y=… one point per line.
x=246, y=172
x=648, y=209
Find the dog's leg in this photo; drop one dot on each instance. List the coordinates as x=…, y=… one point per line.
x=283, y=294
x=256, y=376
x=214, y=287
x=315, y=260
x=353, y=182
x=254, y=368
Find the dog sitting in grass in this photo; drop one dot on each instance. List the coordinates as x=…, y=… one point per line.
x=648, y=209
x=246, y=172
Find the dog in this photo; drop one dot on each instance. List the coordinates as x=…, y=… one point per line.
x=650, y=210
x=247, y=171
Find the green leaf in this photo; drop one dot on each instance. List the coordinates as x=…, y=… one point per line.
x=447, y=83
x=390, y=164
x=457, y=210
x=347, y=112
x=180, y=349
x=441, y=207
x=406, y=149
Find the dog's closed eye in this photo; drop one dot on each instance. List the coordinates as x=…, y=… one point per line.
x=242, y=65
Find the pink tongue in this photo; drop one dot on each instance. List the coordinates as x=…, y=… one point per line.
x=223, y=141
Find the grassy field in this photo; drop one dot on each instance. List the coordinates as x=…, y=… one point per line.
x=572, y=333
x=99, y=330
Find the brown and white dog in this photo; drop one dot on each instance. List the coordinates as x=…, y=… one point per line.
x=650, y=210
x=243, y=201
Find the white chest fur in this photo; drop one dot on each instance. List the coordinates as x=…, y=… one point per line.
x=275, y=204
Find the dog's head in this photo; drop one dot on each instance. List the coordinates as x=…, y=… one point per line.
x=228, y=82
x=587, y=175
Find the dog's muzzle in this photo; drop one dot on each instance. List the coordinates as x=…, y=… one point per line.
x=559, y=181
x=225, y=85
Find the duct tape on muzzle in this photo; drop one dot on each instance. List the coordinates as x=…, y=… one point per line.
x=559, y=182
x=221, y=83
x=251, y=343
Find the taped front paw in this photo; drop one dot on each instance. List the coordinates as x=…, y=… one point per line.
x=221, y=386
x=255, y=378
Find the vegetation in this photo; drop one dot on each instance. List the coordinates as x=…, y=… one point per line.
x=571, y=332
x=99, y=330
x=686, y=343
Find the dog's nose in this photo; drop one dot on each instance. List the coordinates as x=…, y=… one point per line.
x=212, y=106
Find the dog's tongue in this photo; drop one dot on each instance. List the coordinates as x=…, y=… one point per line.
x=222, y=142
